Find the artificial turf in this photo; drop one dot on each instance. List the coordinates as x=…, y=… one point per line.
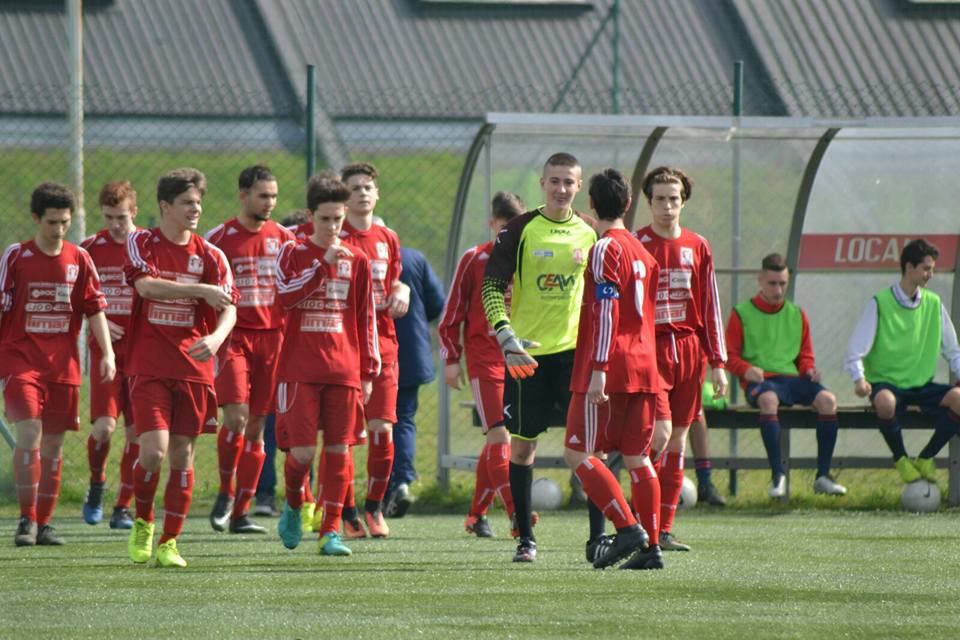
x=752, y=574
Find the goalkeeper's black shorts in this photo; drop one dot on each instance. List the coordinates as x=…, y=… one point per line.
x=534, y=404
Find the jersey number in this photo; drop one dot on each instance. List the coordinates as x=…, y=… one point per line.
x=639, y=272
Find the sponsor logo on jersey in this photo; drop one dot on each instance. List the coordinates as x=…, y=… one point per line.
x=668, y=313
x=195, y=264
x=321, y=323
x=47, y=324
x=543, y=253
x=680, y=279
x=680, y=294
x=73, y=272
x=555, y=281
x=170, y=315
x=378, y=270
x=686, y=256
x=272, y=246
x=338, y=289
x=562, y=232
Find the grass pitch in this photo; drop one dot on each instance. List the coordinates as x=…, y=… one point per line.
x=797, y=574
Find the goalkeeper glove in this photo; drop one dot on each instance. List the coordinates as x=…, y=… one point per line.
x=520, y=364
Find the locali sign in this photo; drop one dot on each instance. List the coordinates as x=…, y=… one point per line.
x=868, y=252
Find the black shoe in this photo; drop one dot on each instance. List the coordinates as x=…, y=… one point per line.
x=243, y=524
x=478, y=526
x=220, y=515
x=398, y=501
x=526, y=551
x=26, y=535
x=121, y=519
x=47, y=535
x=266, y=506
x=649, y=558
x=668, y=542
x=708, y=493
x=624, y=543
x=596, y=546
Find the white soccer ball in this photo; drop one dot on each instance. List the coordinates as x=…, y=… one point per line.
x=688, y=494
x=920, y=496
x=546, y=495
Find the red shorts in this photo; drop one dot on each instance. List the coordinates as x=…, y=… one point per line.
x=56, y=405
x=383, y=400
x=304, y=408
x=488, y=397
x=181, y=407
x=109, y=399
x=247, y=374
x=680, y=363
x=623, y=424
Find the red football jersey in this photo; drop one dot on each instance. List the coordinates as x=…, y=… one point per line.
x=382, y=247
x=164, y=330
x=687, y=297
x=331, y=330
x=44, y=300
x=253, y=260
x=109, y=256
x=465, y=307
x=303, y=230
x=617, y=317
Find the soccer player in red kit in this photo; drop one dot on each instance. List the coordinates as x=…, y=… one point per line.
x=615, y=379
x=247, y=372
x=47, y=286
x=108, y=248
x=382, y=247
x=183, y=311
x=330, y=357
x=689, y=324
x=485, y=367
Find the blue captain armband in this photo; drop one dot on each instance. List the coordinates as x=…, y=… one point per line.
x=607, y=291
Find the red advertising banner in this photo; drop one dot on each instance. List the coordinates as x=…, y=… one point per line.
x=862, y=251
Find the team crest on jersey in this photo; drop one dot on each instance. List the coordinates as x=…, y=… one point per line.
x=578, y=256
x=686, y=256
x=272, y=246
x=73, y=271
x=383, y=251
x=195, y=264
x=343, y=268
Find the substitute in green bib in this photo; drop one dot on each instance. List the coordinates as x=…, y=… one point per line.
x=769, y=349
x=892, y=358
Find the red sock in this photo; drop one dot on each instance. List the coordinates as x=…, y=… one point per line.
x=498, y=469
x=307, y=492
x=379, y=464
x=49, y=488
x=294, y=476
x=248, y=473
x=97, y=458
x=145, y=490
x=482, y=493
x=645, y=492
x=337, y=475
x=26, y=473
x=229, y=446
x=602, y=488
x=130, y=454
x=671, y=480
x=321, y=470
x=176, y=502
x=350, y=500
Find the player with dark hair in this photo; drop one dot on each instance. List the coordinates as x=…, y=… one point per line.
x=544, y=253
x=463, y=313
x=689, y=324
x=382, y=247
x=183, y=311
x=770, y=350
x=247, y=369
x=47, y=286
x=108, y=248
x=615, y=380
x=892, y=358
x=329, y=361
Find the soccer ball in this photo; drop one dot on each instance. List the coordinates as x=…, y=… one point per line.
x=688, y=494
x=546, y=495
x=920, y=496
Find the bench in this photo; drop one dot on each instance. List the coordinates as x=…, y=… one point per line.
x=742, y=417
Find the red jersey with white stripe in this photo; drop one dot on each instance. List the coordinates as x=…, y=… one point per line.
x=331, y=331
x=382, y=247
x=165, y=329
x=617, y=330
x=687, y=297
x=44, y=299
x=253, y=260
x=303, y=230
x=464, y=309
x=109, y=256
